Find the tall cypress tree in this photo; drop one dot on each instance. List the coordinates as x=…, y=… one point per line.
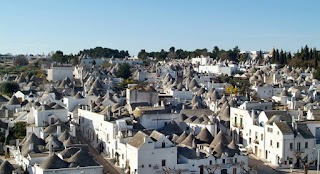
x=310, y=55
x=273, y=60
x=285, y=58
x=315, y=54
x=289, y=56
x=281, y=57
x=277, y=59
x=306, y=52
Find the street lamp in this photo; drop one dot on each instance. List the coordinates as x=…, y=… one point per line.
x=317, y=160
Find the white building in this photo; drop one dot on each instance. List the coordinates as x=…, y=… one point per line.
x=272, y=135
x=59, y=72
x=201, y=60
x=131, y=61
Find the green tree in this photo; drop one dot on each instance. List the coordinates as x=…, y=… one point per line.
x=59, y=57
x=243, y=57
x=21, y=60
x=172, y=49
x=143, y=54
x=124, y=71
x=19, y=129
x=94, y=62
x=99, y=52
x=8, y=88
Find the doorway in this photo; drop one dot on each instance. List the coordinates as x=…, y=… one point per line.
x=240, y=137
x=266, y=155
x=256, y=150
x=224, y=171
x=52, y=120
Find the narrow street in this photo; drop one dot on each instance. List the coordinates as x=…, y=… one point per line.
x=107, y=166
x=260, y=167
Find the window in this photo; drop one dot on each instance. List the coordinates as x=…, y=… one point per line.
x=149, y=165
x=270, y=142
x=142, y=166
x=291, y=146
x=256, y=134
x=277, y=144
x=223, y=161
x=278, y=132
x=317, y=135
x=235, y=160
x=163, y=144
x=250, y=132
x=163, y=162
x=249, y=140
x=210, y=162
x=261, y=137
x=122, y=156
x=306, y=145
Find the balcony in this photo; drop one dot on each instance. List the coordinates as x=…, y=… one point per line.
x=240, y=126
x=299, y=150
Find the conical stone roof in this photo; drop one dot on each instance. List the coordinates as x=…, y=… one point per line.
x=6, y=167
x=205, y=136
x=182, y=137
x=32, y=139
x=13, y=101
x=188, y=140
x=82, y=159
x=54, y=162
x=64, y=136
x=220, y=138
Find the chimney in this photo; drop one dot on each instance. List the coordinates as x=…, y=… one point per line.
x=43, y=108
x=91, y=108
x=50, y=147
x=294, y=124
x=17, y=143
x=194, y=144
x=253, y=114
x=197, y=152
x=162, y=103
x=299, y=114
x=145, y=139
x=31, y=146
x=58, y=130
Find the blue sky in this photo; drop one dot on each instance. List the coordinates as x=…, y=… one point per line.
x=41, y=26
